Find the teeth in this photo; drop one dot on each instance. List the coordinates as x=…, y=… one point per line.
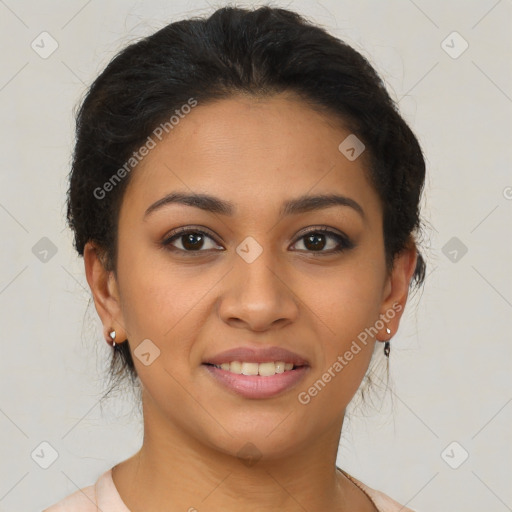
x=262, y=369
x=250, y=368
x=235, y=367
x=268, y=369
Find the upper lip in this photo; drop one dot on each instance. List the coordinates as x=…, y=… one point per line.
x=257, y=355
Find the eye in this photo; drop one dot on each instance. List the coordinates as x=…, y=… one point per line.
x=190, y=240
x=315, y=240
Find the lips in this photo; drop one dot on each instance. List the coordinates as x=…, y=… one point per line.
x=257, y=373
x=254, y=386
x=259, y=355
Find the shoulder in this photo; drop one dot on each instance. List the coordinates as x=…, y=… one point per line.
x=382, y=501
x=82, y=500
x=102, y=495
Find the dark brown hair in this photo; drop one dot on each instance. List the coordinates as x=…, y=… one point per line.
x=257, y=52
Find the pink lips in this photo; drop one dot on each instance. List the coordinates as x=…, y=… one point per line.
x=255, y=386
x=259, y=355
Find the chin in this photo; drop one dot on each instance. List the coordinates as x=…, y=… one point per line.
x=255, y=438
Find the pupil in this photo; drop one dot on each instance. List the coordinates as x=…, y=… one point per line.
x=315, y=238
x=189, y=240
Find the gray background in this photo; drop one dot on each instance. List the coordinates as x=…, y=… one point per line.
x=451, y=359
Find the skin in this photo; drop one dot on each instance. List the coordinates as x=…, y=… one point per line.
x=255, y=153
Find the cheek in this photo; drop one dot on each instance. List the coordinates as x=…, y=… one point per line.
x=155, y=293
x=347, y=306
x=347, y=310
x=346, y=300
x=166, y=304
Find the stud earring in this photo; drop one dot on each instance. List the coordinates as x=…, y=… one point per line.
x=112, y=335
x=387, y=346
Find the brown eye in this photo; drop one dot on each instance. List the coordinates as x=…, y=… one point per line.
x=190, y=240
x=320, y=240
x=316, y=241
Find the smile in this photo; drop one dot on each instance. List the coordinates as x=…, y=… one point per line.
x=266, y=369
x=256, y=380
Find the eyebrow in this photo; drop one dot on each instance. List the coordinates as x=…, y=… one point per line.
x=295, y=206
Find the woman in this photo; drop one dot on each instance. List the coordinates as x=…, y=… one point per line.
x=245, y=196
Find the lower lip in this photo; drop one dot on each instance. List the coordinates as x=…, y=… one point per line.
x=255, y=386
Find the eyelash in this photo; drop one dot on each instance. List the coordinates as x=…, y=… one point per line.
x=344, y=243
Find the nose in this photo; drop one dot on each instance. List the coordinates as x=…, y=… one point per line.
x=259, y=295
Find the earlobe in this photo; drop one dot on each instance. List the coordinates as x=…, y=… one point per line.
x=104, y=289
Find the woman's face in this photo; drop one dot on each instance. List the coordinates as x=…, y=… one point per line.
x=255, y=280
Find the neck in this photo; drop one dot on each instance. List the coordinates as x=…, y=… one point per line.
x=174, y=471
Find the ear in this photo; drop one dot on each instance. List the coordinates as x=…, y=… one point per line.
x=105, y=292
x=396, y=290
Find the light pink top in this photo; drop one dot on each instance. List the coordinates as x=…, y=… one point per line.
x=103, y=497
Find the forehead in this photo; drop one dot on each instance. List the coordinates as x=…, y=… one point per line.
x=252, y=152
